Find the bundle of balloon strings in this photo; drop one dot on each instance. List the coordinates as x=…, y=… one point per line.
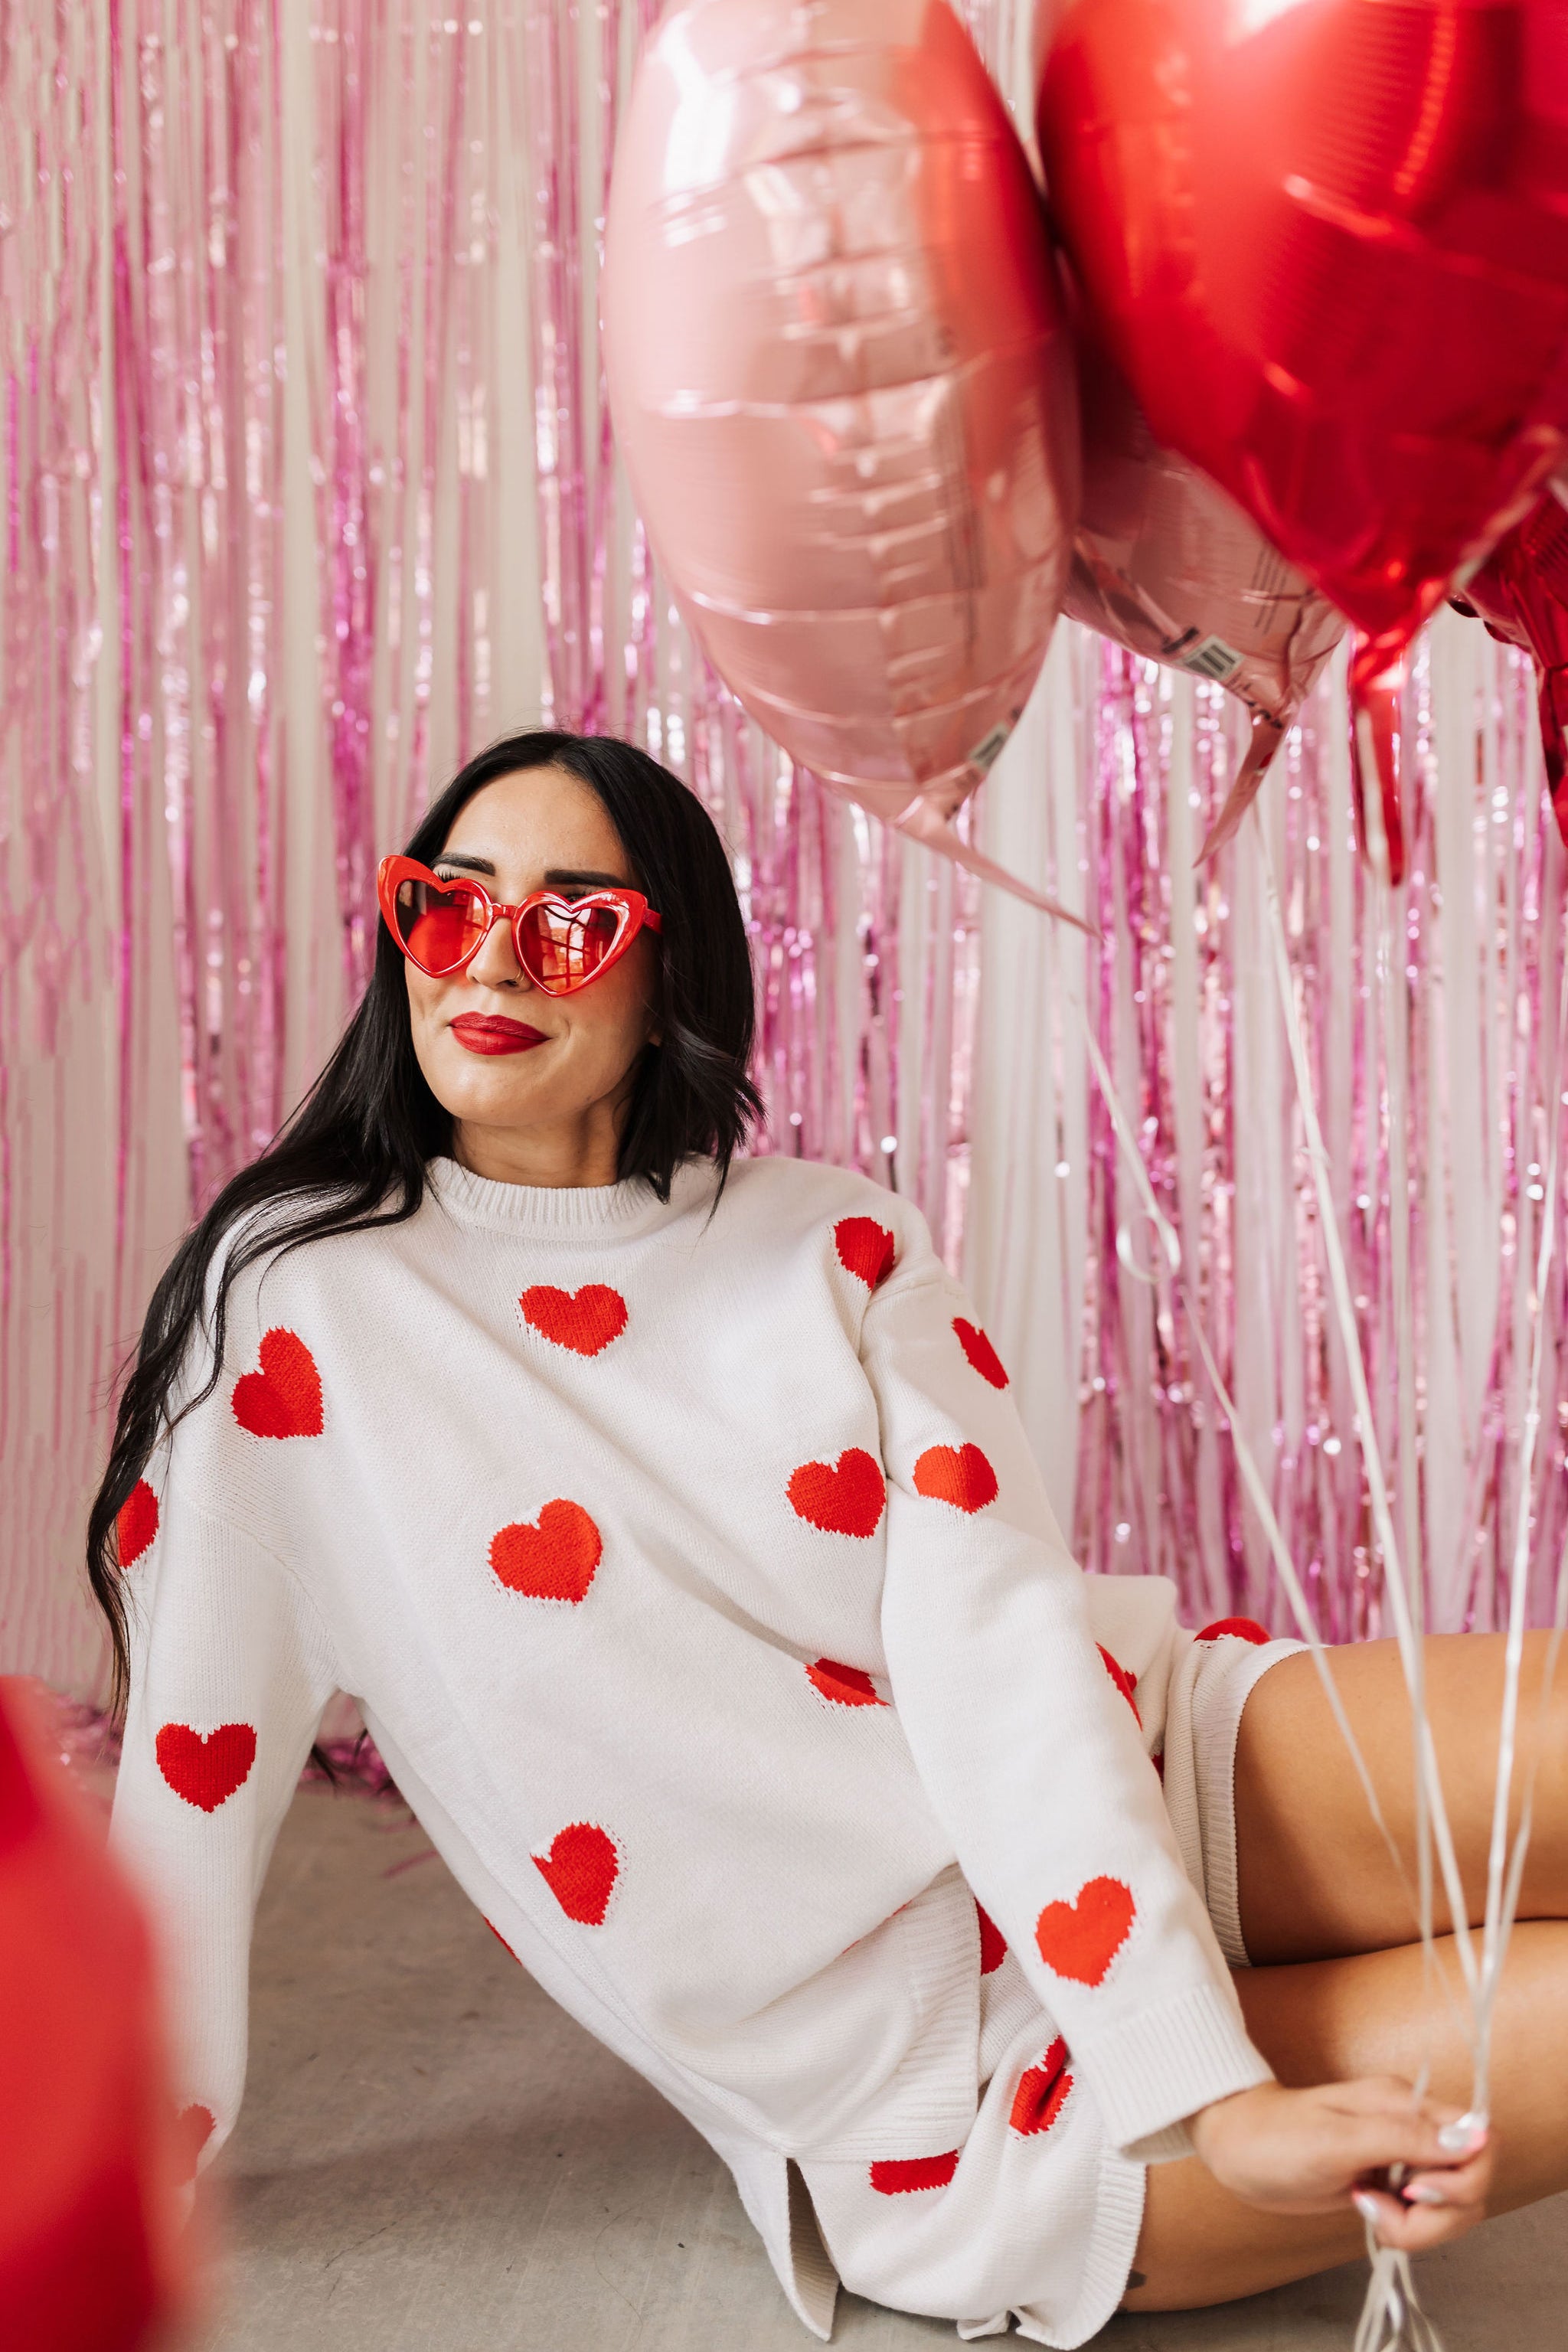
x=1392, y=2318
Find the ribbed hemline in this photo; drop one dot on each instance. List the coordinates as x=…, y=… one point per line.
x=1118, y=2218
x=1157, y=2068
x=1214, y=1767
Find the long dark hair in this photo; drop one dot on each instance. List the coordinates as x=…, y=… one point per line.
x=353, y=1154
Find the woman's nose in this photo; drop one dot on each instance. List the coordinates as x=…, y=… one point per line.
x=496, y=964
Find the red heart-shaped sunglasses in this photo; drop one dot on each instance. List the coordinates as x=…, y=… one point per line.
x=561, y=943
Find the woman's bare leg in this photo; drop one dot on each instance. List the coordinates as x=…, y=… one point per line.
x=1314, y=1874
x=1327, y=2020
x=1341, y=1989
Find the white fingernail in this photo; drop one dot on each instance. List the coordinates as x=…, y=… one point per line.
x=1366, y=2206
x=1463, y=2136
x=1423, y=2195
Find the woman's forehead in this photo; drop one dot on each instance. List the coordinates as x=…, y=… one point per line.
x=538, y=817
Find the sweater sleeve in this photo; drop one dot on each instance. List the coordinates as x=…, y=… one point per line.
x=1027, y=1751
x=230, y=1670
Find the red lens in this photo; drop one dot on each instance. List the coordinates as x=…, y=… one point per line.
x=564, y=945
x=439, y=929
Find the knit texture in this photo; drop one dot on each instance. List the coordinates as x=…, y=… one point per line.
x=696, y=1579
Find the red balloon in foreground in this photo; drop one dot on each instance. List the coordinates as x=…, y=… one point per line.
x=1328, y=242
x=88, y=2161
x=1521, y=594
x=1170, y=567
x=842, y=383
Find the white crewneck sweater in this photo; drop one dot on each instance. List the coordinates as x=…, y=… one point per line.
x=697, y=1582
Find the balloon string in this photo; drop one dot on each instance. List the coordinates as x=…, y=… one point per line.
x=1372, y=1457
x=1392, y=2319
x=1251, y=1477
x=1502, y=1896
x=1394, y=1005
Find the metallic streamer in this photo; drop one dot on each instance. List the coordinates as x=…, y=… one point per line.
x=337, y=494
x=343, y=538
x=1438, y=1139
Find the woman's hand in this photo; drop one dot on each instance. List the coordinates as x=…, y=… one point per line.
x=1311, y=2151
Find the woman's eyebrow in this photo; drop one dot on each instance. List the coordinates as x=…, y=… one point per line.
x=557, y=875
x=555, y=878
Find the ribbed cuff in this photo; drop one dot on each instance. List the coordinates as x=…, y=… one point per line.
x=1150, y=2073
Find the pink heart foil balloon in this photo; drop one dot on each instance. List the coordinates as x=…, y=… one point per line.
x=1167, y=565
x=842, y=384
x=1327, y=242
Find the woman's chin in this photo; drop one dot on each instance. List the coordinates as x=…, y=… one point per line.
x=482, y=1091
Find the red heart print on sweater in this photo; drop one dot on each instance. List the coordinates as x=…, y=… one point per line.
x=584, y=1320
x=284, y=1397
x=193, y=2126
x=866, y=1248
x=581, y=1870
x=980, y=1351
x=992, y=1942
x=845, y=1685
x=135, y=1523
x=844, y=1498
x=1080, y=1939
x=959, y=1475
x=552, y=1557
x=205, y=1767
x=1246, y=1629
x=899, y=2175
x=1125, y=1683
x=1042, y=2093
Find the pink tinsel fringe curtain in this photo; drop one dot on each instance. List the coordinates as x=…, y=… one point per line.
x=309, y=490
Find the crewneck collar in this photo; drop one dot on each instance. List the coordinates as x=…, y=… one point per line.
x=630, y=1207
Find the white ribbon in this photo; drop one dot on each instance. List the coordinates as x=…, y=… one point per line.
x=1392, y=2319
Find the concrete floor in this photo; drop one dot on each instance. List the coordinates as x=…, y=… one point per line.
x=433, y=2159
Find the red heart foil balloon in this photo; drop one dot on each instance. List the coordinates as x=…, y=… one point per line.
x=1521, y=594
x=90, y=2150
x=1166, y=564
x=1327, y=242
x=842, y=384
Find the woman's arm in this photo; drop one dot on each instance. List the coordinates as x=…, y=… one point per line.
x=1027, y=1751
x=230, y=1670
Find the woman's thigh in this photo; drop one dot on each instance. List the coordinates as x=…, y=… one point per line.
x=1327, y=2020
x=1314, y=1876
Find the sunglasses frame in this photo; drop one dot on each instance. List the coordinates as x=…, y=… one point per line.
x=632, y=909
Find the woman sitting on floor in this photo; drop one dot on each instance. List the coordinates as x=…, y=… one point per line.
x=667, y=1515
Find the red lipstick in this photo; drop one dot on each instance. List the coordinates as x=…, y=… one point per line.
x=492, y=1032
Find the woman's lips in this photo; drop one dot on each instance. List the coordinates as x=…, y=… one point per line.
x=492, y=1032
